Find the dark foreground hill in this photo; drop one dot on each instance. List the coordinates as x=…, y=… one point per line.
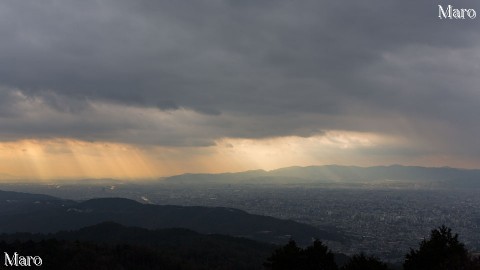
x=49, y=214
x=113, y=246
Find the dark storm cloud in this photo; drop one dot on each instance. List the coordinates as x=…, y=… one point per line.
x=249, y=68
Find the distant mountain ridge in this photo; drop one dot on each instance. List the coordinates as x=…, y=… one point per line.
x=442, y=176
x=48, y=214
x=21, y=196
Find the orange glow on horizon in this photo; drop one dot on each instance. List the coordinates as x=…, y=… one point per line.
x=63, y=159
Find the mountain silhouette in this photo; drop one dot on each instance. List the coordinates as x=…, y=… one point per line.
x=335, y=174
x=49, y=214
x=110, y=245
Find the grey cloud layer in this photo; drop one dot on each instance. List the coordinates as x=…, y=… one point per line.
x=250, y=68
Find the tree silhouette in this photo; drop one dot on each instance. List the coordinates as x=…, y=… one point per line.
x=363, y=262
x=317, y=256
x=286, y=257
x=442, y=251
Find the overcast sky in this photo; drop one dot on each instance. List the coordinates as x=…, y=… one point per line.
x=383, y=81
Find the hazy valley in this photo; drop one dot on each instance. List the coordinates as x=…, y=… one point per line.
x=384, y=216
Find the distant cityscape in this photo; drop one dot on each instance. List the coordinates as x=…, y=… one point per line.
x=385, y=222
x=381, y=222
